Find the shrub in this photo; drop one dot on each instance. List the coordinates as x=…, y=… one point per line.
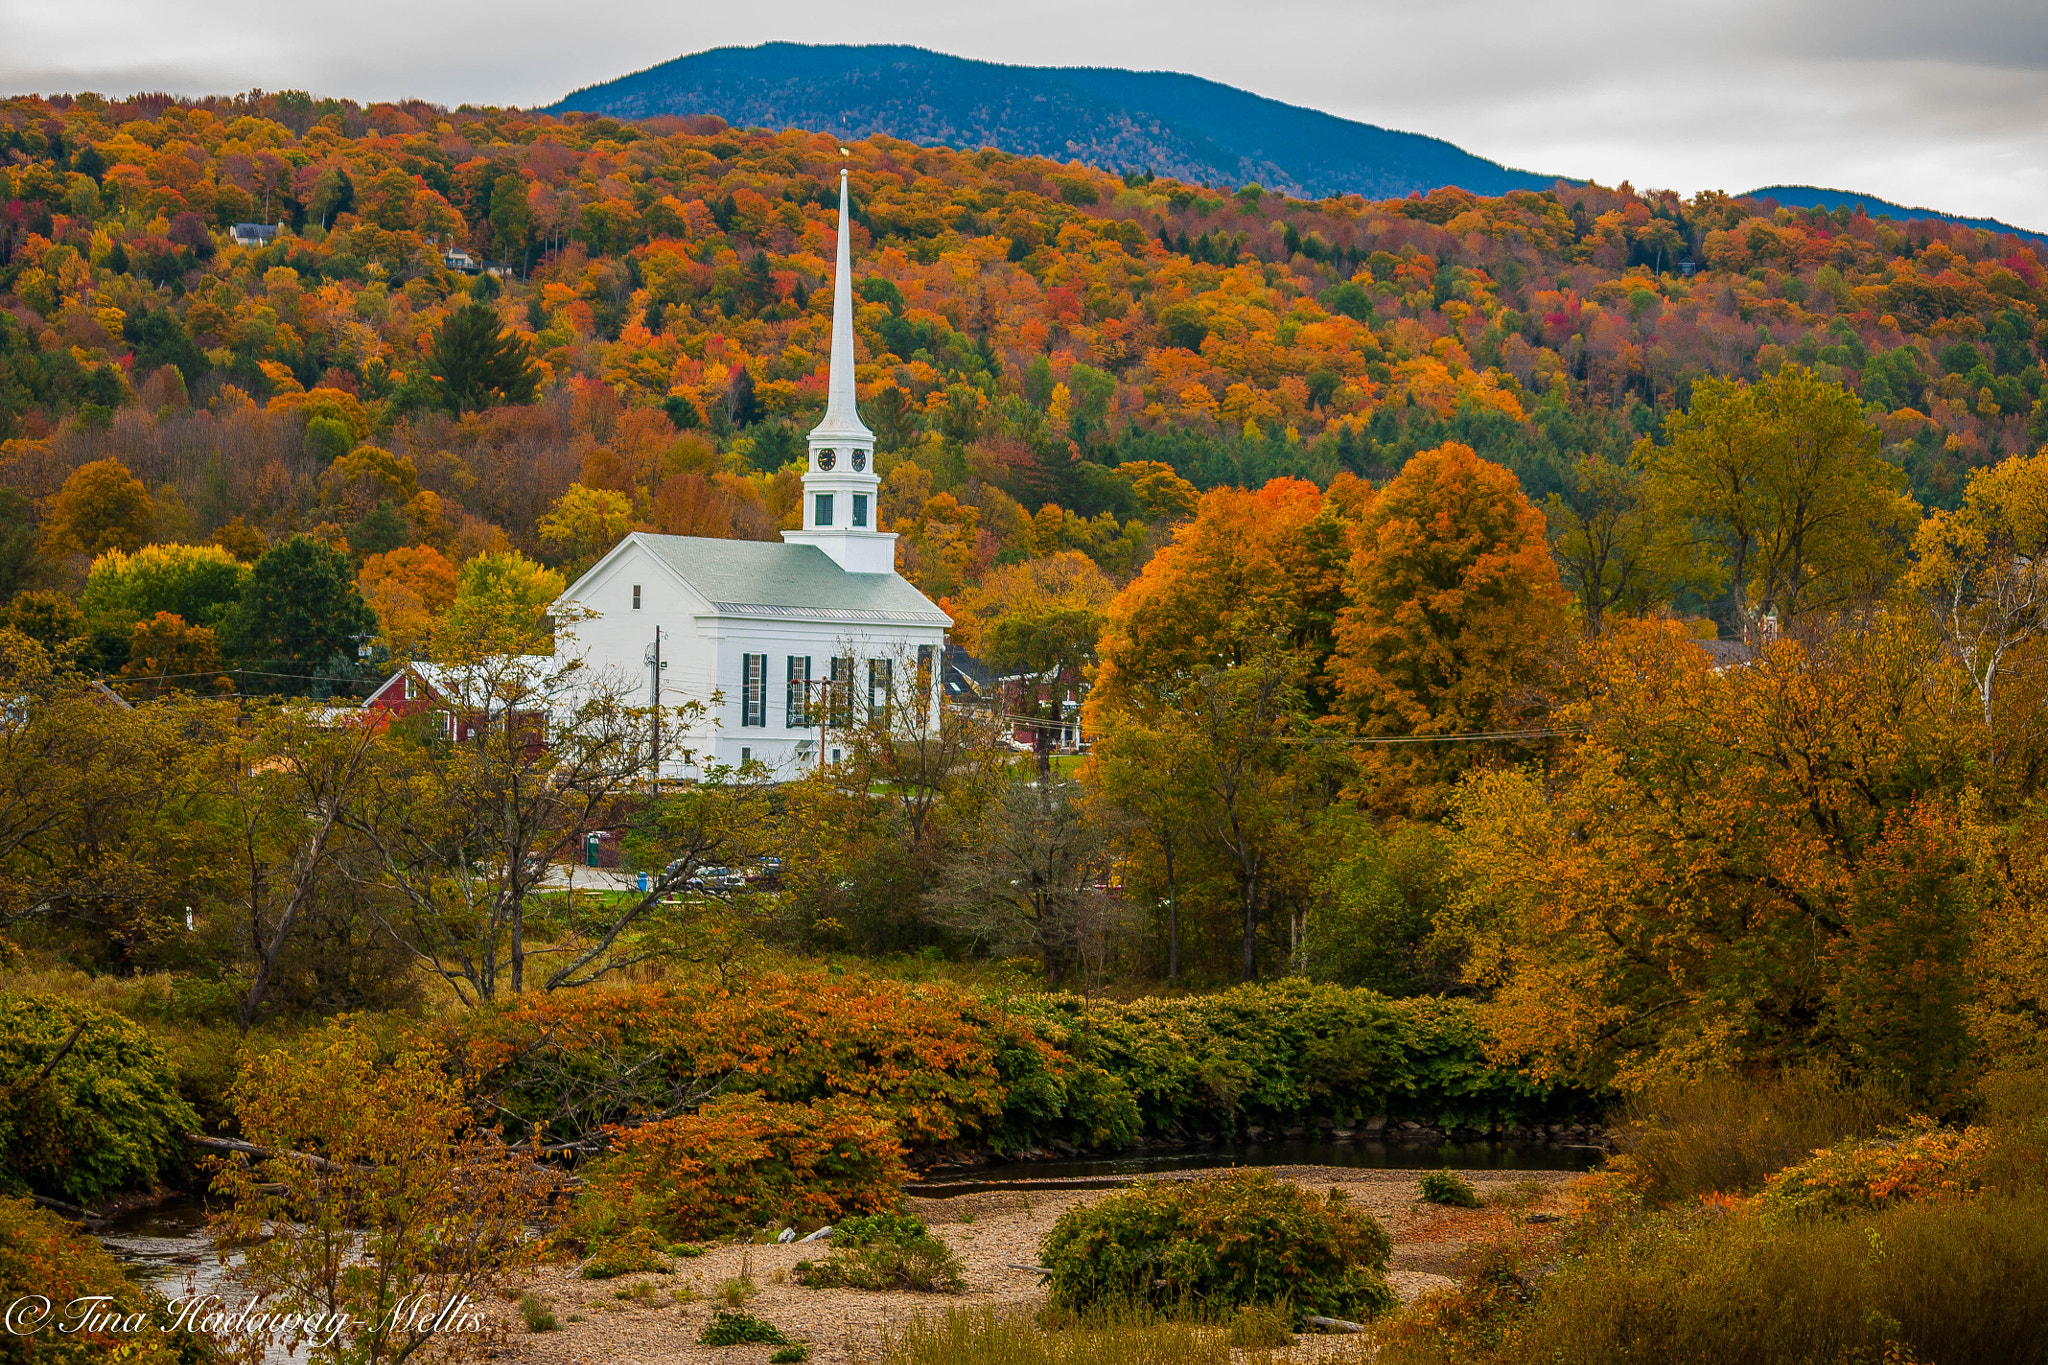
x=742, y=1161
x=107, y=1117
x=1727, y=1133
x=1220, y=1243
x=794, y=1354
x=885, y=1251
x=926, y=1057
x=1282, y=1051
x=868, y=1229
x=540, y=1317
x=1448, y=1188
x=41, y=1254
x=947, y=1066
x=630, y=1251
x=1943, y=1280
x=729, y=1328
x=1868, y=1174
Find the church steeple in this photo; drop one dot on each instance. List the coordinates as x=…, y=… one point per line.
x=842, y=415
x=841, y=488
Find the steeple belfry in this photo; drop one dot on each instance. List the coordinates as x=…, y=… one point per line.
x=841, y=488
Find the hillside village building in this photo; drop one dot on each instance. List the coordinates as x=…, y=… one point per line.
x=795, y=639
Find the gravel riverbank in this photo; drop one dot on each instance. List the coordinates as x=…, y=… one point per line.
x=990, y=1230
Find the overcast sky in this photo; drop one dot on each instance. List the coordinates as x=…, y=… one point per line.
x=1944, y=106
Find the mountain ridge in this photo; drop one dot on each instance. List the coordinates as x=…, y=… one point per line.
x=1166, y=122
x=1171, y=123
x=1814, y=196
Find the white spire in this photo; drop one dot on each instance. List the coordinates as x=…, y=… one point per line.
x=842, y=416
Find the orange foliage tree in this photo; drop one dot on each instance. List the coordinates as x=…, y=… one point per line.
x=1454, y=604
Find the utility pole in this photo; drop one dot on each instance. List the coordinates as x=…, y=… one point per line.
x=655, y=665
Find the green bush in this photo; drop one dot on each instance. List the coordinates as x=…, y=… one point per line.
x=1220, y=1243
x=791, y=1355
x=730, y=1328
x=631, y=1251
x=1447, y=1188
x=885, y=1251
x=1283, y=1052
x=868, y=1229
x=108, y=1117
x=1943, y=1280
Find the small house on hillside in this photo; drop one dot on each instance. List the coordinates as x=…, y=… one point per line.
x=254, y=234
x=512, y=693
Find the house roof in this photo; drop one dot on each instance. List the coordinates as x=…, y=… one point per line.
x=523, y=674
x=761, y=578
x=1726, y=653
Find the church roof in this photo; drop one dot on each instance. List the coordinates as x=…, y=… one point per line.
x=761, y=578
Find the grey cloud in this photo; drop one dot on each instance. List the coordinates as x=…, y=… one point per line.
x=1935, y=105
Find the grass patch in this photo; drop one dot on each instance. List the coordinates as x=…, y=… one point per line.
x=1447, y=1188
x=1916, y=1247
x=1126, y=1334
x=539, y=1315
x=1515, y=1198
x=1943, y=1280
x=1728, y=1133
x=1260, y=1328
x=729, y=1328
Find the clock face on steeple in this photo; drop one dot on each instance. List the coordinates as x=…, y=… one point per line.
x=860, y=460
x=827, y=458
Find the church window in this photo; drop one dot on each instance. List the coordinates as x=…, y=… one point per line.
x=799, y=715
x=842, y=693
x=860, y=509
x=753, y=689
x=927, y=656
x=824, y=510
x=878, y=689
x=636, y=597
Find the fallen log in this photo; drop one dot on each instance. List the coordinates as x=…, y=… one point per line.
x=1334, y=1324
x=1019, y=1265
x=318, y=1163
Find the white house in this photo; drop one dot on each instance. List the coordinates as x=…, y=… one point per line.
x=770, y=629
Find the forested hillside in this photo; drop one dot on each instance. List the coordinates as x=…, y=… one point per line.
x=1050, y=355
x=1197, y=130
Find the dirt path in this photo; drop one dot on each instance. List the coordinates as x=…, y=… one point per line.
x=990, y=1231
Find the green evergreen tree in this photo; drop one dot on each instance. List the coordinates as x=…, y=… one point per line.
x=299, y=613
x=475, y=364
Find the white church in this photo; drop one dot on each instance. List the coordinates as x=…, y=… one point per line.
x=795, y=641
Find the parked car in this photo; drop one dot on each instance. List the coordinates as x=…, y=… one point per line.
x=717, y=879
